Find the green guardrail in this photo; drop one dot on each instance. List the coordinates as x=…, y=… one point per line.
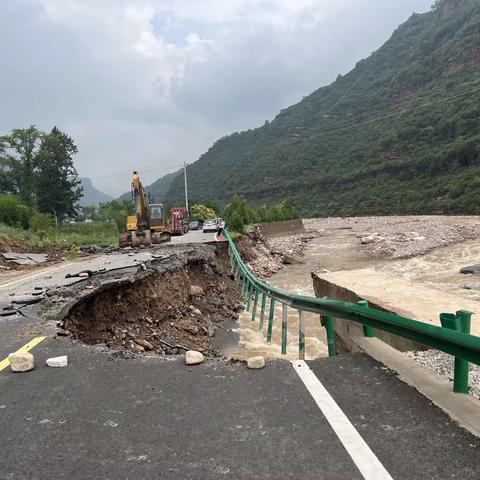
x=453, y=337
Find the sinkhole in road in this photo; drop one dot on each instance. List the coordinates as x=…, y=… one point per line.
x=160, y=311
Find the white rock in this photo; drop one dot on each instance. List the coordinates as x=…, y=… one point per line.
x=366, y=240
x=21, y=362
x=256, y=362
x=61, y=361
x=193, y=358
x=196, y=290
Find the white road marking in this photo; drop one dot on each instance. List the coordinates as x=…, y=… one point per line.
x=365, y=460
x=29, y=277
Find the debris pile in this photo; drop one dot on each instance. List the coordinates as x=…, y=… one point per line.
x=398, y=237
x=266, y=256
x=173, y=306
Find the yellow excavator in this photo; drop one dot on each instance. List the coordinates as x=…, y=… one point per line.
x=148, y=224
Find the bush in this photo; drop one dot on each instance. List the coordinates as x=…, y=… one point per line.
x=41, y=222
x=201, y=212
x=13, y=212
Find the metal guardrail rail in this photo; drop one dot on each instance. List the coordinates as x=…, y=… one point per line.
x=453, y=337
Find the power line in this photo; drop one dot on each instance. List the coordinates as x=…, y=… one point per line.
x=401, y=112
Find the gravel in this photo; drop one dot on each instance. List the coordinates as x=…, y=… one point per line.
x=398, y=237
x=442, y=364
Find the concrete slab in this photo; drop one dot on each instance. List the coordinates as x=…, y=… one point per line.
x=392, y=294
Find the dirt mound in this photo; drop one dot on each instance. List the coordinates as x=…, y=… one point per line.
x=160, y=312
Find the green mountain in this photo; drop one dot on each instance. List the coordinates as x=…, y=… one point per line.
x=91, y=195
x=400, y=133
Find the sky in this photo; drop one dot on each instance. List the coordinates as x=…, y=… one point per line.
x=150, y=84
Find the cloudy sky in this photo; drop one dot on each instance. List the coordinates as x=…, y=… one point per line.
x=149, y=84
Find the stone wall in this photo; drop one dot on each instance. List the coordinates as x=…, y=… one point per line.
x=273, y=229
x=346, y=330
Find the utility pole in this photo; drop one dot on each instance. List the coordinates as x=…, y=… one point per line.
x=186, y=187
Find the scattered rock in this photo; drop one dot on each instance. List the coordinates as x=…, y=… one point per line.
x=193, y=357
x=61, y=361
x=144, y=343
x=137, y=348
x=291, y=260
x=256, y=363
x=196, y=290
x=21, y=362
x=473, y=270
x=196, y=311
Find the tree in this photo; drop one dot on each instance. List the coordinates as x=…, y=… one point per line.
x=18, y=162
x=201, y=212
x=57, y=185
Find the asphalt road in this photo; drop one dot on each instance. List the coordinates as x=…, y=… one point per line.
x=105, y=417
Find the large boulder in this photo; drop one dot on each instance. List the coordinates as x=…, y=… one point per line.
x=291, y=260
x=21, y=361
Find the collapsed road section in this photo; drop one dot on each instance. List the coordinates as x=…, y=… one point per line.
x=167, y=305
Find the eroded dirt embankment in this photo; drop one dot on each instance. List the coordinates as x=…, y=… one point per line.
x=166, y=306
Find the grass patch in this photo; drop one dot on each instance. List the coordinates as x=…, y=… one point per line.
x=66, y=236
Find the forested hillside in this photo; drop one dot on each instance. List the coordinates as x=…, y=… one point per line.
x=400, y=133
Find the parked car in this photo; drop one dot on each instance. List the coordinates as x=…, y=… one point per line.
x=194, y=225
x=210, y=226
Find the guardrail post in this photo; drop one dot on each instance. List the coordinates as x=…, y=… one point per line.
x=332, y=349
x=367, y=331
x=271, y=316
x=249, y=296
x=301, y=335
x=284, y=328
x=244, y=286
x=236, y=276
x=262, y=310
x=460, y=321
x=255, y=304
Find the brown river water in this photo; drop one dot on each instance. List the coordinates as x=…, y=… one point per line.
x=339, y=250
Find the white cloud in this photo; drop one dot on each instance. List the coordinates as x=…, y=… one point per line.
x=154, y=82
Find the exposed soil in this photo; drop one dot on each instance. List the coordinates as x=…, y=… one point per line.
x=173, y=306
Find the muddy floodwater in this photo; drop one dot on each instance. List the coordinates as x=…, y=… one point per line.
x=340, y=249
x=334, y=250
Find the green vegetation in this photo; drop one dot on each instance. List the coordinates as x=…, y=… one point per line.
x=38, y=231
x=65, y=237
x=201, y=212
x=238, y=213
x=38, y=168
x=331, y=155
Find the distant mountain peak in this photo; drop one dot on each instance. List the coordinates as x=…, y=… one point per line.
x=91, y=195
